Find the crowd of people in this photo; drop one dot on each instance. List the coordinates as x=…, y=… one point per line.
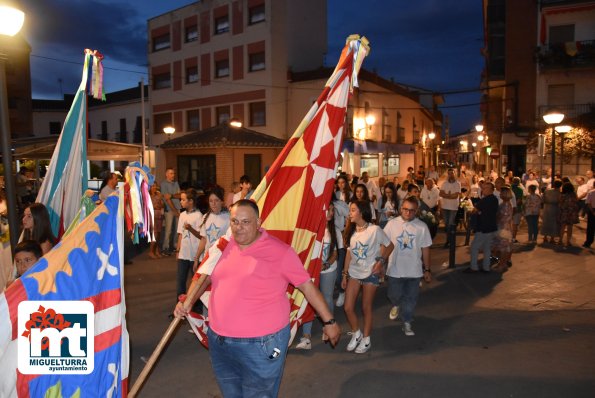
x=374, y=233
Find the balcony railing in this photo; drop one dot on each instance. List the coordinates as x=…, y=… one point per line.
x=577, y=113
x=574, y=54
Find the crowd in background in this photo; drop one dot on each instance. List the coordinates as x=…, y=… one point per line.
x=374, y=232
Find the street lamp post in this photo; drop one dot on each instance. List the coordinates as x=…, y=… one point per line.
x=169, y=131
x=562, y=130
x=431, y=136
x=553, y=118
x=480, y=137
x=11, y=22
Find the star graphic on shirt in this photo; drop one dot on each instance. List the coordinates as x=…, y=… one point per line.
x=213, y=233
x=405, y=240
x=360, y=251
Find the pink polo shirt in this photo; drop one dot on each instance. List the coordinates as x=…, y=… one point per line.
x=248, y=287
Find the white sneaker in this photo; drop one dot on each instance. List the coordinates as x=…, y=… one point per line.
x=407, y=329
x=394, y=313
x=356, y=337
x=363, y=345
x=304, y=344
x=340, y=299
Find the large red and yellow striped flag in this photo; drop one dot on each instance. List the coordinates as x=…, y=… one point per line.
x=294, y=194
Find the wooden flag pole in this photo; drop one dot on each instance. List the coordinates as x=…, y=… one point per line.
x=164, y=340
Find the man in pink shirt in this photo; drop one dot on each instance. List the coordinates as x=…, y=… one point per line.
x=249, y=309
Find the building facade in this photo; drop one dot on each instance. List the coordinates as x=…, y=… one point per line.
x=261, y=62
x=538, y=55
x=117, y=120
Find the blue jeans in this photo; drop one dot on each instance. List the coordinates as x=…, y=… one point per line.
x=327, y=285
x=403, y=292
x=249, y=367
x=532, y=226
x=482, y=241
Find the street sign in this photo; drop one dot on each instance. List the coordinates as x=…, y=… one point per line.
x=495, y=154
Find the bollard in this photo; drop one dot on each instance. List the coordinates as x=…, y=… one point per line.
x=452, y=239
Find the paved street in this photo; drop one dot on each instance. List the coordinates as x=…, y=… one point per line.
x=527, y=333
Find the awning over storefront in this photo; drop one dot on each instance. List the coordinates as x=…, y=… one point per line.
x=368, y=146
x=43, y=148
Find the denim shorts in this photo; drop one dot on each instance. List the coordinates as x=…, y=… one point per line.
x=373, y=279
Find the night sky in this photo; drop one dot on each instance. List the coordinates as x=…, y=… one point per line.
x=433, y=44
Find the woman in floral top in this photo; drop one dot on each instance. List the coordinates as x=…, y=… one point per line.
x=503, y=241
x=532, y=205
x=568, y=215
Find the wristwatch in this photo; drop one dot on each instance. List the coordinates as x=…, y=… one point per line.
x=331, y=321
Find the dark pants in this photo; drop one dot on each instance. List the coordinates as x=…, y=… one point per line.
x=185, y=269
x=590, y=228
x=532, y=226
x=340, y=263
x=449, y=219
x=403, y=292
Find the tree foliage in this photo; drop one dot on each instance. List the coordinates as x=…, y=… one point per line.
x=579, y=142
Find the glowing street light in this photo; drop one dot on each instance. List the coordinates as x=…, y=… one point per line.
x=552, y=118
x=235, y=122
x=169, y=131
x=370, y=119
x=360, y=125
x=11, y=19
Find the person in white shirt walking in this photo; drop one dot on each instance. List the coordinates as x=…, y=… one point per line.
x=369, y=248
x=449, y=201
x=188, y=238
x=408, y=263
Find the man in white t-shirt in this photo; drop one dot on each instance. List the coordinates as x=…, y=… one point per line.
x=449, y=200
x=373, y=190
x=408, y=263
x=430, y=194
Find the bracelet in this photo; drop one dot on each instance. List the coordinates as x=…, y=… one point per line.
x=381, y=259
x=427, y=270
